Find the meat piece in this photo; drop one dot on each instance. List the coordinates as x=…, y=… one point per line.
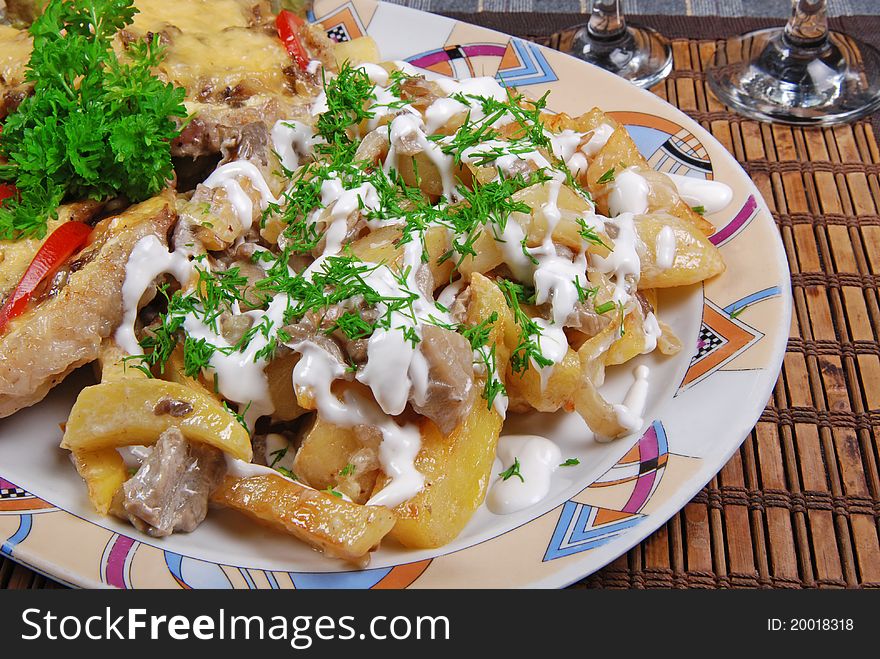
x=447, y=394
x=176, y=408
x=585, y=319
x=252, y=145
x=197, y=138
x=311, y=329
x=64, y=331
x=170, y=490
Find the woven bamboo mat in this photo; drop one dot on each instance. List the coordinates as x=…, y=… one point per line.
x=799, y=505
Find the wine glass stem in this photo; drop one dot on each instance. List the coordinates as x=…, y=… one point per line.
x=808, y=26
x=606, y=20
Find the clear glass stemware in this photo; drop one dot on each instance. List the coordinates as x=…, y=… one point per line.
x=638, y=54
x=800, y=74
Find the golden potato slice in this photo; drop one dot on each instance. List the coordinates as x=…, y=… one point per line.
x=588, y=121
x=618, y=153
x=631, y=342
x=664, y=197
x=695, y=260
x=175, y=372
x=571, y=206
x=357, y=51
x=457, y=470
x=104, y=472
x=338, y=527
x=379, y=246
x=325, y=455
x=437, y=243
x=419, y=171
x=486, y=299
x=279, y=373
x=489, y=255
x=598, y=413
x=559, y=392
x=123, y=413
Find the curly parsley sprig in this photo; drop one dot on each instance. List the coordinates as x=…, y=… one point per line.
x=97, y=125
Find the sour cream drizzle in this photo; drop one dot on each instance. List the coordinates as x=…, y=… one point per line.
x=714, y=196
x=316, y=371
x=291, y=141
x=538, y=458
x=227, y=176
x=149, y=259
x=665, y=248
x=629, y=413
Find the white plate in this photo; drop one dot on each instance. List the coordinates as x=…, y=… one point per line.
x=702, y=403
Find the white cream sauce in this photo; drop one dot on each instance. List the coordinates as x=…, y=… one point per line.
x=597, y=140
x=228, y=177
x=664, y=248
x=538, y=458
x=629, y=413
x=441, y=112
x=149, y=259
x=714, y=196
x=623, y=263
x=292, y=140
x=316, y=371
x=629, y=193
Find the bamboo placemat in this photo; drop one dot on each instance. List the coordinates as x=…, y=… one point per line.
x=799, y=505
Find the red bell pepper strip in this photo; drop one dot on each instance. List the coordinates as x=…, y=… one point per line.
x=288, y=25
x=59, y=247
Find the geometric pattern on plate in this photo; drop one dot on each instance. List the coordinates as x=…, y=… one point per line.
x=521, y=62
x=582, y=527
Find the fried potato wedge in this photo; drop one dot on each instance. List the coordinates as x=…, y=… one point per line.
x=104, y=473
x=324, y=455
x=572, y=207
x=338, y=527
x=124, y=413
x=279, y=373
x=362, y=50
x=557, y=393
x=457, y=470
x=695, y=260
x=598, y=413
x=588, y=121
x=486, y=299
x=618, y=153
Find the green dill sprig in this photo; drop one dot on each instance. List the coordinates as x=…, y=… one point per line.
x=590, y=235
x=529, y=348
x=348, y=95
x=513, y=471
x=607, y=177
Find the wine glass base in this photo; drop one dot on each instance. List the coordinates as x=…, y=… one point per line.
x=640, y=55
x=762, y=76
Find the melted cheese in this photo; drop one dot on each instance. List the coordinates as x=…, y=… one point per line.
x=217, y=60
x=15, y=50
x=212, y=46
x=190, y=16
